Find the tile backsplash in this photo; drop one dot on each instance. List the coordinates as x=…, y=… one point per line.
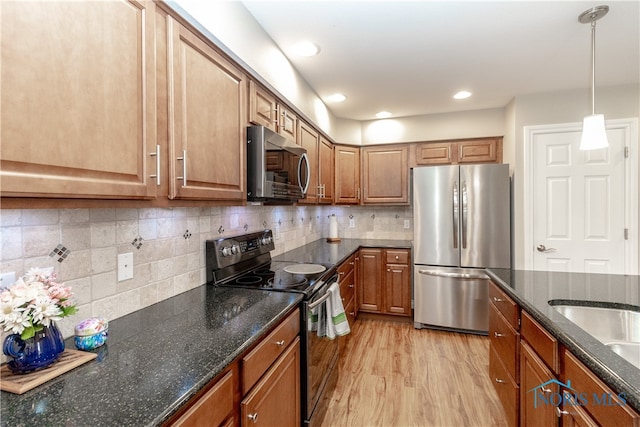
x=82, y=245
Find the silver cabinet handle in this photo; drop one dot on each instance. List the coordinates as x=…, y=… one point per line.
x=280, y=343
x=253, y=417
x=499, y=381
x=496, y=299
x=498, y=335
x=157, y=174
x=560, y=412
x=184, y=167
x=543, y=248
x=358, y=193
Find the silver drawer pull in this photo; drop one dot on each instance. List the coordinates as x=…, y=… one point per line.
x=280, y=343
x=253, y=417
x=560, y=412
x=499, y=381
x=498, y=335
x=496, y=299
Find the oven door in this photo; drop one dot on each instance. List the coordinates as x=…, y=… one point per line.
x=321, y=356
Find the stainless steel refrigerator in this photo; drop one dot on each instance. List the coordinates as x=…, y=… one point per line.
x=462, y=224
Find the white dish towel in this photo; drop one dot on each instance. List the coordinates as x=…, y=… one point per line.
x=337, y=323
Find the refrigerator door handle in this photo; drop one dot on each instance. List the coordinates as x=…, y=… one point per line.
x=465, y=213
x=456, y=208
x=438, y=273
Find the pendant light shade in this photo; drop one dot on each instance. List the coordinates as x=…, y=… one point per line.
x=594, y=134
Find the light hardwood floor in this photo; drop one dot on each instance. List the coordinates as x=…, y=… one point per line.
x=391, y=374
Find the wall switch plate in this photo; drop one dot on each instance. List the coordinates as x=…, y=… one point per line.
x=407, y=224
x=125, y=266
x=7, y=279
x=352, y=223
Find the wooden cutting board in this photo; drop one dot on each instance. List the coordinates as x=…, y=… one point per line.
x=20, y=383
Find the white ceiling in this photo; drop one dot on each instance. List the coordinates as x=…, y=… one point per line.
x=409, y=57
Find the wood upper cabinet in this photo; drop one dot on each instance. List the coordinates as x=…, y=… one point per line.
x=326, y=168
x=78, y=99
x=385, y=175
x=288, y=123
x=473, y=150
x=347, y=174
x=207, y=121
x=263, y=107
x=309, y=139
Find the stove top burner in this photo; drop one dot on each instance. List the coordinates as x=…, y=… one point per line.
x=248, y=280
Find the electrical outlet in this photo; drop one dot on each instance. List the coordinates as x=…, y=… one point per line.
x=7, y=279
x=125, y=266
x=407, y=224
x=352, y=223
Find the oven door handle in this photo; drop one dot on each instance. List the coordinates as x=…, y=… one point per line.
x=322, y=299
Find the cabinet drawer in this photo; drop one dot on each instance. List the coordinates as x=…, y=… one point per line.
x=504, y=340
x=504, y=304
x=613, y=411
x=397, y=256
x=540, y=340
x=508, y=391
x=270, y=348
x=346, y=266
x=213, y=407
x=347, y=288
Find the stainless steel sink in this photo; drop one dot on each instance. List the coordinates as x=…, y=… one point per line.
x=619, y=329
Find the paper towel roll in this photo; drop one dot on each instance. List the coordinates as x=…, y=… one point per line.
x=333, y=227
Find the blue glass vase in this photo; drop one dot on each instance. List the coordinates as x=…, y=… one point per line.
x=34, y=353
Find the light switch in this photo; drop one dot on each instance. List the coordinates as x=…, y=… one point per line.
x=407, y=224
x=352, y=223
x=125, y=266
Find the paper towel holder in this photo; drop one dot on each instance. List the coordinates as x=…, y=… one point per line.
x=333, y=229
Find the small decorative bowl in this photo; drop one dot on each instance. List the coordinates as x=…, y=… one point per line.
x=91, y=333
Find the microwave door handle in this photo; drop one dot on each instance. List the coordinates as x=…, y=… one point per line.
x=304, y=158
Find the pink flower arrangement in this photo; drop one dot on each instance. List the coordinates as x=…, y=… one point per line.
x=33, y=302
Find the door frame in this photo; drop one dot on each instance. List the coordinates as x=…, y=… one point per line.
x=630, y=126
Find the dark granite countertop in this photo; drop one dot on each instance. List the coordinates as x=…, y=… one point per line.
x=323, y=252
x=154, y=361
x=534, y=289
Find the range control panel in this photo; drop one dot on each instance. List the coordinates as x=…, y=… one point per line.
x=233, y=250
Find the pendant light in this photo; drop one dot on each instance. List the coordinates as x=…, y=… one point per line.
x=594, y=135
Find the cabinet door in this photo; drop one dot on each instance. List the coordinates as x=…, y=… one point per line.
x=434, y=153
x=397, y=290
x=275, y=400
x=385, y=175
x=207, y=121
x=370, y=285
x=536, y=399
x=486, y=150
x=287, y=123
x=262, y=107
x=78, y=99
x=326, y=171
x=309, y=140
x=213, y=407
x=347, y=175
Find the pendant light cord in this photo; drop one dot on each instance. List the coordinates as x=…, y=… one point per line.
x=593, y=67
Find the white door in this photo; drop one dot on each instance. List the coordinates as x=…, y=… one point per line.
x=582, y=205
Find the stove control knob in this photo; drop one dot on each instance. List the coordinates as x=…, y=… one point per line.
x=226, y=251
x=235, y=249
x=266, y=240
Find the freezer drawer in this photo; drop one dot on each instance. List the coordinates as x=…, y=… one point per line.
x=451, y=298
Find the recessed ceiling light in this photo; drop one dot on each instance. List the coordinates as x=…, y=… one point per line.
x=463, y=94
x=336, y=97
x=383, y=115
x=305, y=48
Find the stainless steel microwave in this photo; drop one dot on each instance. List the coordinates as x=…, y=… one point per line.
x=277, y=168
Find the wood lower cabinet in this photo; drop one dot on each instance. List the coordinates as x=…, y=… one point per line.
x=207, y=120
x=538, y=390
x=78, y=100
x=385, y=175
x=347, y=175
x=275, y=400
x=504, y=337
x=384, y=283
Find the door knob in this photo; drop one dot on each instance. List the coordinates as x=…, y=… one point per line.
x=543, y=248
